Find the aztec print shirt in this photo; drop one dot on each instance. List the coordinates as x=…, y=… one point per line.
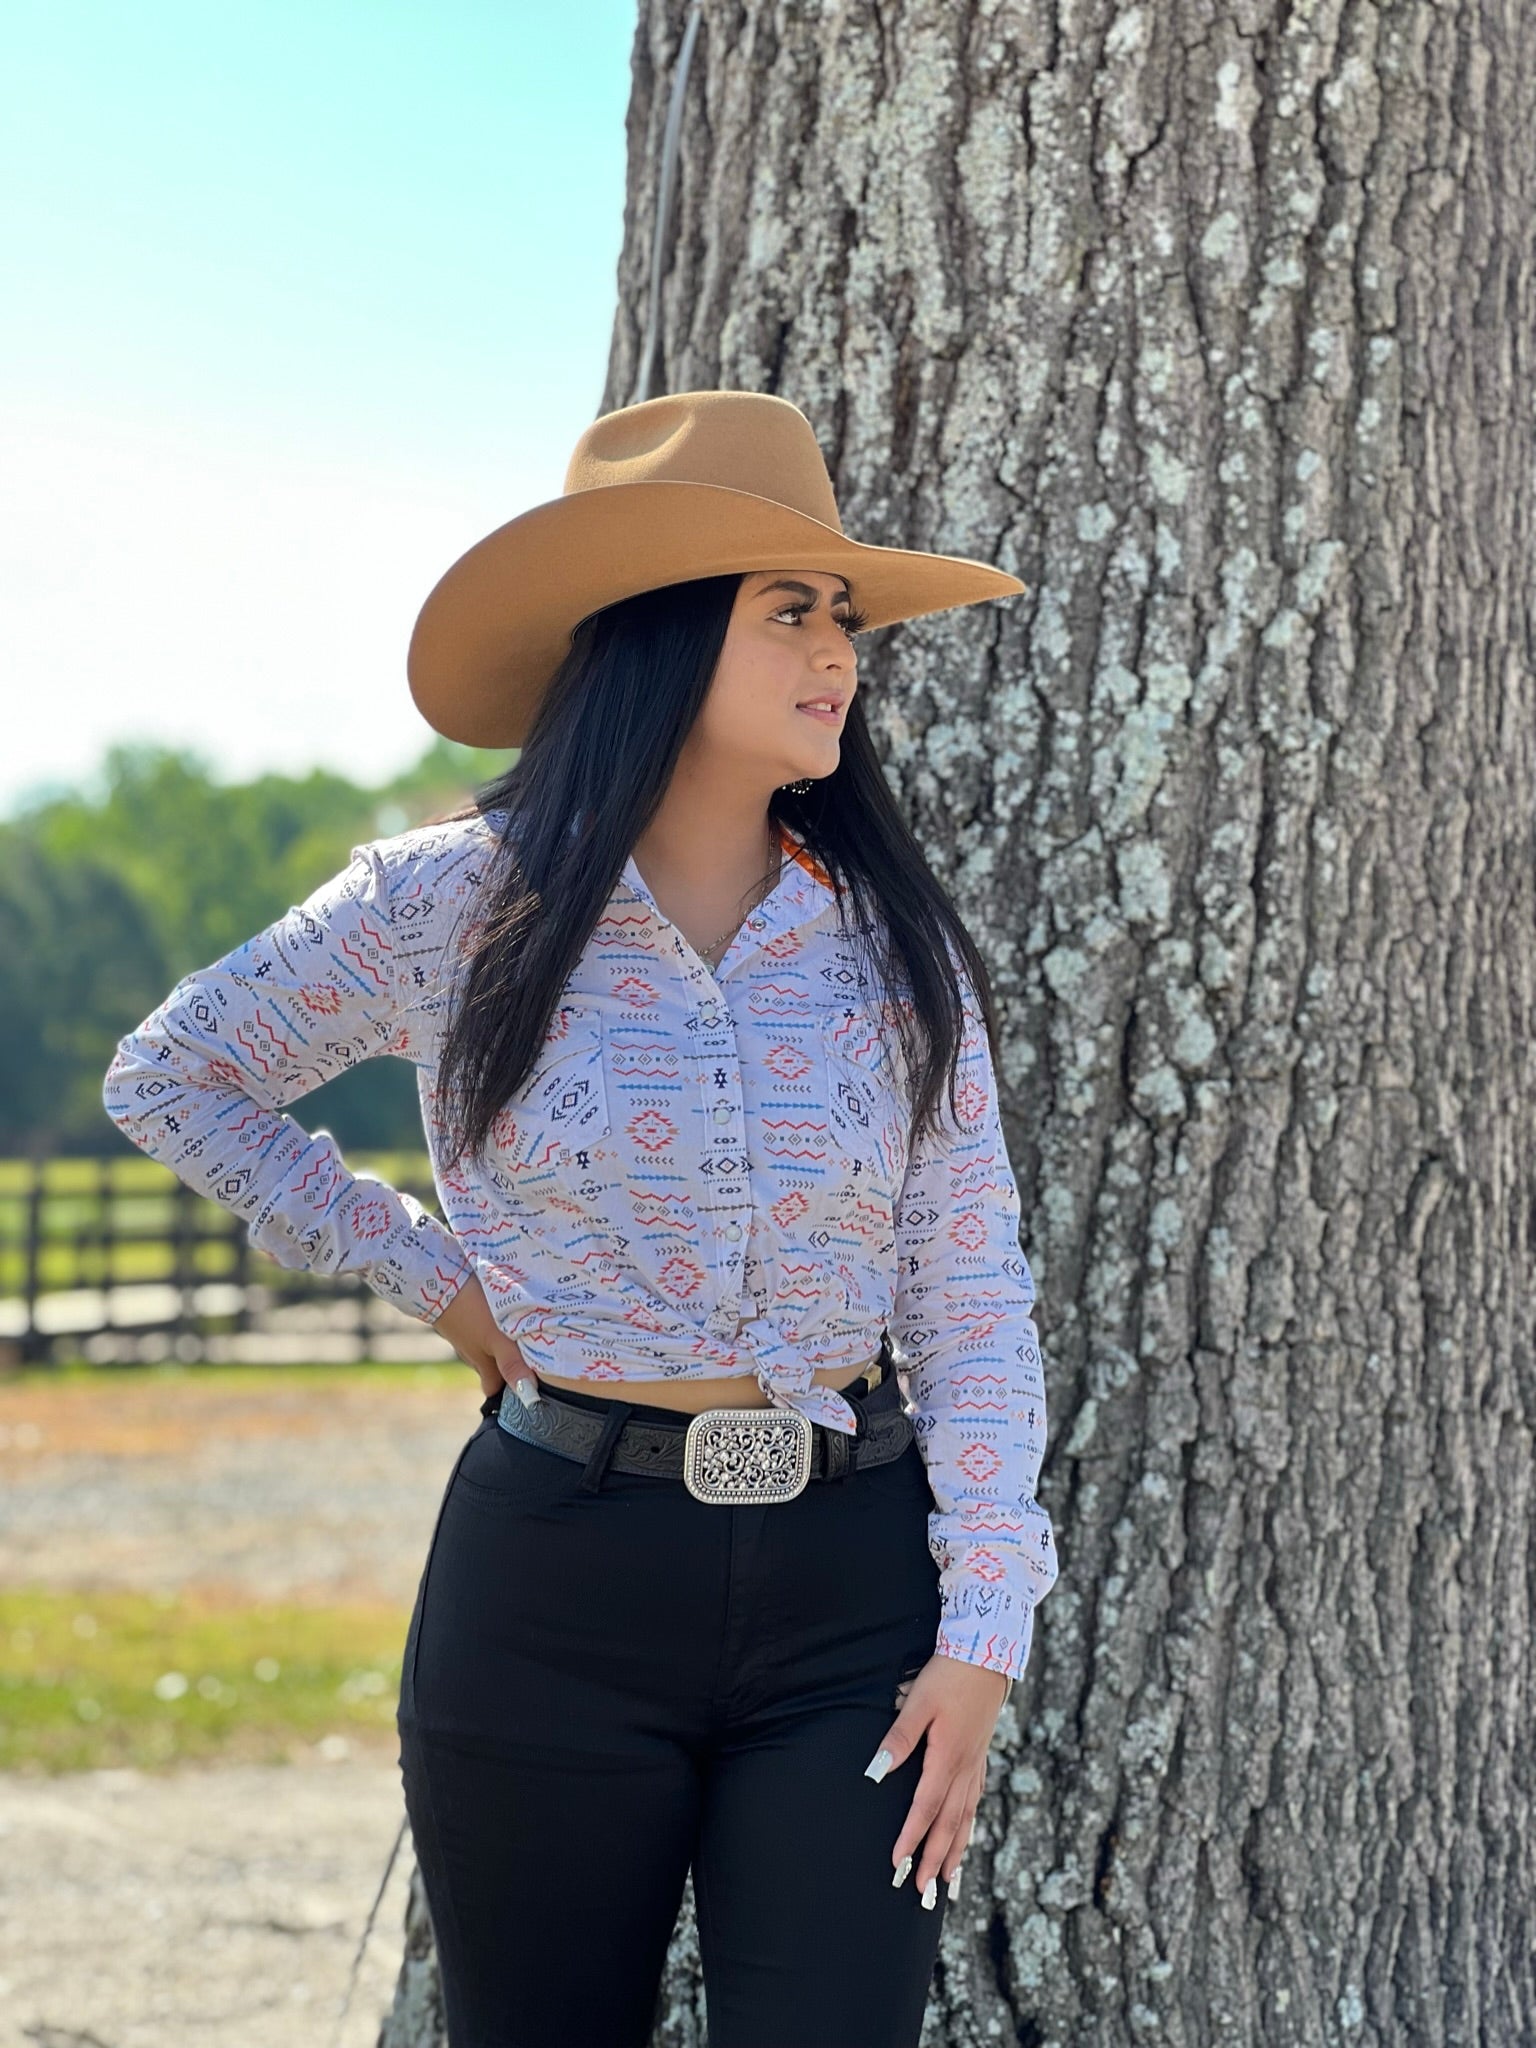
x=706, y=1175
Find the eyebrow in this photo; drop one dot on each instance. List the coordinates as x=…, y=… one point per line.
x=806, y=590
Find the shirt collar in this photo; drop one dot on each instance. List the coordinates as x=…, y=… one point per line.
x=802, y=892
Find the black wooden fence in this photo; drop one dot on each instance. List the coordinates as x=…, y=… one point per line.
x=115, y=1261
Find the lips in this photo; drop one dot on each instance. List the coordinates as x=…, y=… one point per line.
x=833, y=698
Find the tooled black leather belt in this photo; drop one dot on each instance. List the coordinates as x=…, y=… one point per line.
x=730, y=1456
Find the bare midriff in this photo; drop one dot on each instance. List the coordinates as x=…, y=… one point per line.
x=741, y=1391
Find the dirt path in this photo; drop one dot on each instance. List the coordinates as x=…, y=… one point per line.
x=220, y=1908
x=214, y=1906
x=275, y=1491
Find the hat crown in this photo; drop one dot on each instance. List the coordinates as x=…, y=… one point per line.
x=747, y=441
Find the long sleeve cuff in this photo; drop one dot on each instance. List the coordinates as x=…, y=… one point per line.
x=425, y=1267
x=989, y=1589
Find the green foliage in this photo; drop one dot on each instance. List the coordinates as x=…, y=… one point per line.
x=108, y=897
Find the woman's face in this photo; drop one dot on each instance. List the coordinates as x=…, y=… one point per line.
x=787, y=645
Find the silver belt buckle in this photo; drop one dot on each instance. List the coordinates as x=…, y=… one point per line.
x=737, y=1457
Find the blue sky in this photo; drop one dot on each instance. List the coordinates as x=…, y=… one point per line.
x=302, y=300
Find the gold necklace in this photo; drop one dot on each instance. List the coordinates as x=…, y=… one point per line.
x=764, y=888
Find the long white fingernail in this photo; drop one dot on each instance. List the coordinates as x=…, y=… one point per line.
x=931, y=1893
x=528, y=1392
x=879, y=1764
x=903, y=1871
x=954, y=1883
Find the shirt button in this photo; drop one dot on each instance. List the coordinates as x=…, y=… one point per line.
x=733, y=1230
x=722, y=1115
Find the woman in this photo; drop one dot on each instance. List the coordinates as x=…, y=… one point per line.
x=705, y=1058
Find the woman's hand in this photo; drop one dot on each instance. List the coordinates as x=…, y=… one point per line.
x=478, y=1338
x=956, y=1705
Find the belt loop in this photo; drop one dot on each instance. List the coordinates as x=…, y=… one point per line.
x=597, y=1464
x=843, y=1449
x=859, y=1435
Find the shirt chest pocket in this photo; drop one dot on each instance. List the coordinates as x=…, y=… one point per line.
x=562, y=1109
x=865, y=1105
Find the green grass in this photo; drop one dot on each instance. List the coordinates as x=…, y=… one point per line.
x=244, y=1379
x=114, y=1679
x=135, y=1262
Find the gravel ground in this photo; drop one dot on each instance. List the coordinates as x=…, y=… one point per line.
x=273, y=1492
x=218, y=1907
x=222, y=1905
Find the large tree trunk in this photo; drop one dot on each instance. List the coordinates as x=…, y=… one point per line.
x=1216, y=326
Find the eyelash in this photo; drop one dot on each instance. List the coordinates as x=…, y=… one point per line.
x=851, y=621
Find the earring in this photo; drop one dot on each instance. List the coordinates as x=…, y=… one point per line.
x=798, y=788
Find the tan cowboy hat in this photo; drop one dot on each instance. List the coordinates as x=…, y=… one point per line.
x=698, y=483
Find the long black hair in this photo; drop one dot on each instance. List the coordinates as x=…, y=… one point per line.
x=593, y=769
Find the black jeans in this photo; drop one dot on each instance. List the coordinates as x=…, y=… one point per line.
x=602, y=1689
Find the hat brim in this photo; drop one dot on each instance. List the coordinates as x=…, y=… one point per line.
x=498, y=623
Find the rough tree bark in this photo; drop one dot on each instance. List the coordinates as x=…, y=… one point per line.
x=1215, y=324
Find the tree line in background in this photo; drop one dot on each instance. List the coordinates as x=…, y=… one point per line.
x=108, y=898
